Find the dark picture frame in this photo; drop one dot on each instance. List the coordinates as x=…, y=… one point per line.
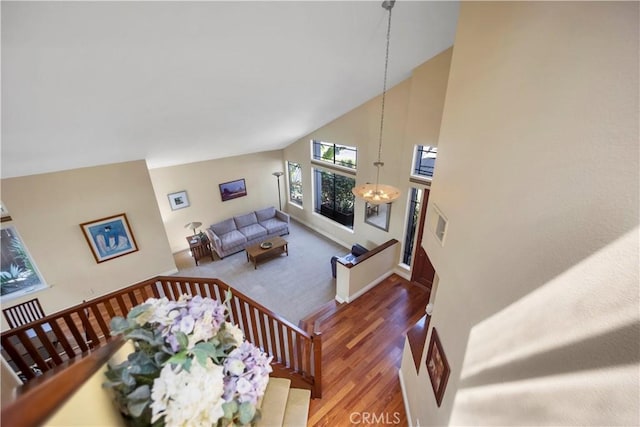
x=378, y=216
x=178, y=200
x=437, y=366
x=233, y=189
x=109, y=237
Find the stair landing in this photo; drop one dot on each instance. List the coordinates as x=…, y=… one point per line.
x=283, y=405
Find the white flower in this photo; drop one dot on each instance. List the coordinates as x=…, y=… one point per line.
x=236, y=367
x=235, y=332
x=188, y=398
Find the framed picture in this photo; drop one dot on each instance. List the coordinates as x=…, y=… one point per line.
x=437, y=366
x=109, y=237
x=178, y=200
x=233, y=189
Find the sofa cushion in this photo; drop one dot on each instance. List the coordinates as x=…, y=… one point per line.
x=274, y=225
x=244, y=220
x=265, y=214
x=253, y=231
x=224, y=227
x=232, y=239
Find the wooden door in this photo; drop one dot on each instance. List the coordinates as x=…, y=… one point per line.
x=423, y=271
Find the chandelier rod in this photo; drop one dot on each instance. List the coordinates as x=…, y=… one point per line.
x=387, y=5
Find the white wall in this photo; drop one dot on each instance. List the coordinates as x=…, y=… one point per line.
x=200, y=180
x=537, y=305
x=47, y=210
x=413, y=111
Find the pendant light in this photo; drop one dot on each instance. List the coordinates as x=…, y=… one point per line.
x=380, y=193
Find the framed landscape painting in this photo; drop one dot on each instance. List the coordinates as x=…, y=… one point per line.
x=109, y=237
x=233, y=189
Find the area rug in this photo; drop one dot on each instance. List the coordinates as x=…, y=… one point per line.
x=292, y=286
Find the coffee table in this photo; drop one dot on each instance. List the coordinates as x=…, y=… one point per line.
x=255, y=252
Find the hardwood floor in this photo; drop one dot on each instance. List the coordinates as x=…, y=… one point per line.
x=362, y=344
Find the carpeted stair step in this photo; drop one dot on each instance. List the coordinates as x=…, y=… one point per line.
x=274, y=402
x=297, y=412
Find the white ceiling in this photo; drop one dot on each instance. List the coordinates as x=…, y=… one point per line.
x=89, y=83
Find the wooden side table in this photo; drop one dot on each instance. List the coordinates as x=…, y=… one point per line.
x=199, y=247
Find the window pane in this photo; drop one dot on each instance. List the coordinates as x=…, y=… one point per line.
x=412, y=223
x=295, y=183
x=425, y=160
x=333, y=196
x=336, y=154
x=18, y=274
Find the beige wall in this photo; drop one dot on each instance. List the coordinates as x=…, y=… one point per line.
x=537, y=305
x=47, y=210
x=200, y=180
x=413, y=107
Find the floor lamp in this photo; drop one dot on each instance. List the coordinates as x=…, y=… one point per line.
x=278, y=175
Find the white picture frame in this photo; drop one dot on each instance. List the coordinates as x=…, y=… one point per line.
x=178, y=200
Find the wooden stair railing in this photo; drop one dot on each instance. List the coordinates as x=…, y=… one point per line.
x=76, y=332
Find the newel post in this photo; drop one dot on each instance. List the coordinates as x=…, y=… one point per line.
x=317, y=365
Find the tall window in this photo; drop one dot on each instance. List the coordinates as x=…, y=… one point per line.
x=333, y=196
x=295, y=183
x=18, y=273
x=415, y=198
x=425, y=160
x=341, y=155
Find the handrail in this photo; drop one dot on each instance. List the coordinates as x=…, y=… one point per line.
x=41, y=397
x=43, y=345
x=369, y=254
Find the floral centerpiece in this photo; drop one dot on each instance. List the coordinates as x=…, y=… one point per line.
x=190, y=367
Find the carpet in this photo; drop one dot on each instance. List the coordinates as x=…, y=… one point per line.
x=291, y=286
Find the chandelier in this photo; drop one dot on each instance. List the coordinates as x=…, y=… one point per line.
x=380, y=193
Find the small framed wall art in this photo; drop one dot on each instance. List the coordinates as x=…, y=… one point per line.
x=233, y=189
x=437, y=366
x=109, y=237
x=178, y=200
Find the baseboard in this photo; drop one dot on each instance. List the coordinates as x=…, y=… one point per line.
x=367, y=288
x=405, y=399
x=402, y=272
x=340, y=300
x=322, y=232
x=167, y=273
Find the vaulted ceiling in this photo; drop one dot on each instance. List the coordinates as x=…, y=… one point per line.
x=90, y=83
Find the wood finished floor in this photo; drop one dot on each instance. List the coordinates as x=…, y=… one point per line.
x=362, y=344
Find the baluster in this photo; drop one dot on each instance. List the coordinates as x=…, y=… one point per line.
x=122, y=305
x=254, y=326
x=75, y=332
x=97, y=314
x=299, y=352
x=264, y=337
x=294, y=364
x=283, y=356
x=275, y=350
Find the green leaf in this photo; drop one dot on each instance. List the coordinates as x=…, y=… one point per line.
x=247, y=412
x=160, y=358
x=141, y=393
x=136, y=408
x=229, y=409
x=142, y=335
x=118, y=325
x=137, y=311
x=183, y=340
x=178, y=358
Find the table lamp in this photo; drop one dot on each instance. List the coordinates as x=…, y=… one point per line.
x=193, y=226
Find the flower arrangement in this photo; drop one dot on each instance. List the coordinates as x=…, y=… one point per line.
x=190, y=367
